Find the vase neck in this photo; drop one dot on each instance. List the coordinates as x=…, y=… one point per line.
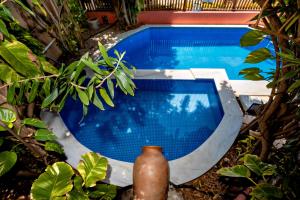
x=156, y=149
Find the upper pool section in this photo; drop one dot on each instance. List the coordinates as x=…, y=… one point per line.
x=191, y=47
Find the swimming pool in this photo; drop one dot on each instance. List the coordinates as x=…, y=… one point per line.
x=178, y=115
x=190, y=47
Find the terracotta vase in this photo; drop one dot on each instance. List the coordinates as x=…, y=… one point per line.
x=151, y=175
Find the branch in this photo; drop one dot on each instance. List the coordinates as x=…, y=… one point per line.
x=29, y=79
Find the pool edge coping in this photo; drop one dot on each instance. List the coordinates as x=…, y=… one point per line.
x=185, y=168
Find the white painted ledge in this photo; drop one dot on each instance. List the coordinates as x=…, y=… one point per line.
x=185, y=168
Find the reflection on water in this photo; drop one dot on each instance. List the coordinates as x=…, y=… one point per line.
x=184, y=48
x=177, y=115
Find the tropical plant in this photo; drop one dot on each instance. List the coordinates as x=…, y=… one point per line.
x=61, y=181
x=126, y=11
x=279, y=116
x=278, y=119
x=251, y=163
x=43, y=138
x=56, y=18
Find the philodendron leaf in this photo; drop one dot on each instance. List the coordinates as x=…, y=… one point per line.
x=92, y=168
x=7, y=116
x=257, y=166
x=104, y=191
x=258, y=55
x=54, y=183
x=7, y=160
x=34, y=122
x=266, y=191
x=235, y=171
x=252, y=38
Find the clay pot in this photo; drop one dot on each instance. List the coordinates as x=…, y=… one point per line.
x=151, y=175
x=93, y=23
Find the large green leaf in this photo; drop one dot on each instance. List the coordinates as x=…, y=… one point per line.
x=265, y=191
x=7, y=74
x=7, y=116
x=252, y=38
x=258, y=55
x=20, y=58
x=44, y=135
x=55, y=182
x=34, y=122
x=235, y=171
x=257, y=166
x=7, y=160
x=92, y=168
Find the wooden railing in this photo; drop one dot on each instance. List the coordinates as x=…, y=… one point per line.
x=179, y=5
x=198, y=5
x=97, y=5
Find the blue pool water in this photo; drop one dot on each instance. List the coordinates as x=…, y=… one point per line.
x=190, y=47
x=178, y=115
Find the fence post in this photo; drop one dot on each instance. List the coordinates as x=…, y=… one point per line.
x=234, y=4
x=185, y=5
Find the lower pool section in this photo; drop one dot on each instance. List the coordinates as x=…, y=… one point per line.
x=178, y=115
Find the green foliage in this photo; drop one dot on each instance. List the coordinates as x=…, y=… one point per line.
x=259, y=55
x=252, y=38
x=235, y=171
x=44, y=135
x=264, y=190
x=34, y=122
x=55, y=182
x=54, y=146
x=7, y=160
x=92, y=168
x=7, y=116
x=59, y=181
x=260, y=168
x=253, y=74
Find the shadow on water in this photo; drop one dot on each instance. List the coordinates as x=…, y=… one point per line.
x=163, y=113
